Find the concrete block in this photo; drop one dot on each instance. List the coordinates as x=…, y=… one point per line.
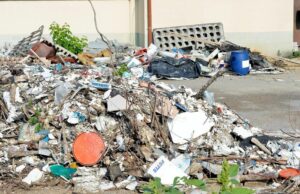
x=168, y=38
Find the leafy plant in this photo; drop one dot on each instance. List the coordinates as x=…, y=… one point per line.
x=63, y=36
x=30, y=103
x=156, y=187
x=38, y=127
x=121, y=69
x=228, y=181
x=34, y=120
x=200, y=184
x=296, y=54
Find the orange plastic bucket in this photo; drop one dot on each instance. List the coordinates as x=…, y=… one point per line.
x=289, y=173
x=88, y=148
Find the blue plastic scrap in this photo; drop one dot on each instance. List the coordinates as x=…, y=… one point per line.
x=81, y=117
x=181, y=107
x=101, y=86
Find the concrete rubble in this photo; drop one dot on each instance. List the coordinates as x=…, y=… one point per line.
x=149, y=129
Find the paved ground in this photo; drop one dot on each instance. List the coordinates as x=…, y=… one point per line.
x=271, y=102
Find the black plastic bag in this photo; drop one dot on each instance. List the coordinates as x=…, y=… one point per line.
x=168, y=67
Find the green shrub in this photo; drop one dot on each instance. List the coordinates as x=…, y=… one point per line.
x=228, y=181
x=120, y=70
x=156, y=187
x=34, y=120
x=63, y=36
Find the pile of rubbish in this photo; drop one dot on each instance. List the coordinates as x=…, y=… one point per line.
x=85, y=122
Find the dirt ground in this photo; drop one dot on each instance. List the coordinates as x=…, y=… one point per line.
x=56, y=190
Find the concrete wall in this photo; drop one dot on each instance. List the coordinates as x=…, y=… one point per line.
x=141, y=21
x=19, y=18
x=265, y=25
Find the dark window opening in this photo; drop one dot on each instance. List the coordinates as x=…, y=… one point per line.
x=298, y=20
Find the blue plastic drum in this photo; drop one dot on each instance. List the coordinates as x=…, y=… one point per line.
x=239, y=62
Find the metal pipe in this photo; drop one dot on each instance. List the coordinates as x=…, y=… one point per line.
x=149, y=10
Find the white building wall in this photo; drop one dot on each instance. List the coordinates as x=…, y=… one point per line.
x=19, y=18
x=265, y=25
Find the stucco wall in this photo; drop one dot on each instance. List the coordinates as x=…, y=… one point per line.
x=141, y=21
x=265, y=25
x=19, y=18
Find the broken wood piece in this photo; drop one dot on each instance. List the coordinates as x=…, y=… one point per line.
x=260, y=145
x=164, y=107
x=9, y=136
x=67, y=156
x=18, y=154
x=208, y=83
x=24, y=109
x=60, y=57
x=78, y=90
x=13, y=93
x=257, y=177
x=257, y=159
x=153, y=111
x=281, y=62
x=24, y=59
x=44, y=61
x=293, y=135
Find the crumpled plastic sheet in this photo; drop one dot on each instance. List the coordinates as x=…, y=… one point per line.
x=174, y=68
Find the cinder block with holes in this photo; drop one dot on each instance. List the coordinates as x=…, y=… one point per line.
x=186, y=36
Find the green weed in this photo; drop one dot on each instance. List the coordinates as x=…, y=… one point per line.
x=63, y=36
x=156, y=187
x=229, y=182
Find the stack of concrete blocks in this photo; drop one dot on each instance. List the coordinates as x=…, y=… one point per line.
x=167, y=38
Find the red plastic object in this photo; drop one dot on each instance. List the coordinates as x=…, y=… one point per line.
x=289, y=172
x=220, y=110
x=140, y=52
x=43, y=50
x=88, y=148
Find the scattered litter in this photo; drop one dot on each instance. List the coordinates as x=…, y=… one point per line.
x=242, y=132
x=182, y=161
x=289, y=173
x=20, y=168
x=116, y=103
x=165, y=170
x=88, y=148
x=102, y=86
x=101, y=120
x=188, y=126
x=61, y=171
x=33, y=177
